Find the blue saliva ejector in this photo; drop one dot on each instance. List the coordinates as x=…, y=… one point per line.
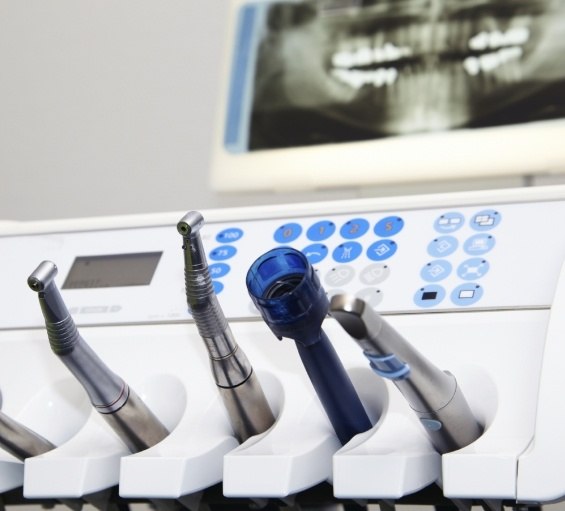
x=286, y=290
x=433, y=394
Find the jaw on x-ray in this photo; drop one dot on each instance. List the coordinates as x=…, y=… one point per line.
x=330, y=71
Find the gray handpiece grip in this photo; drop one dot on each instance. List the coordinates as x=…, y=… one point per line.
x=126, y=413
x=21, y=441
x=243, y=397
x=433, y=394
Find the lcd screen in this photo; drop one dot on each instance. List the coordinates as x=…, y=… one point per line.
x=115, y=270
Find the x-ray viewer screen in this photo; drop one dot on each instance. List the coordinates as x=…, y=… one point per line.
x=328, y=71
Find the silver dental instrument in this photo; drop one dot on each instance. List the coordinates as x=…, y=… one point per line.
x=432, y=393
x=243, y=397
x=120, y=406
x=19, y=440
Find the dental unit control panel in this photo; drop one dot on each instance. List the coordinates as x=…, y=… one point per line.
x=473, y=283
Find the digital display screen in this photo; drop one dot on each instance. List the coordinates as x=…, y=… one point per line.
x=115, y=270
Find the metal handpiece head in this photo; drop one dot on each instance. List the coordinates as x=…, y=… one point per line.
x=286, y=290
x=43, y=276
x=190, y=223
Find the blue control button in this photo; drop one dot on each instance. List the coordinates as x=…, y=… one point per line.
x=315, y=253
x=388, y=366
x=218, y=270
x=473, y=268
x=218, y=286
x=354, y=228
x=381, y=250
x=436, y=270
x=320, y=231
x=429, y=295
x=479, y=244
x=389, y=226
x=229, y=235
x=287, y=233
x=486, y=220
x=222, y=253
x=466, y=294
x=449, y=222
x=443, y=246
x=348, y=251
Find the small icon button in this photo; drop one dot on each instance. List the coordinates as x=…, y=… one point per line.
x=288, y=232
x=315, y=253
x=467, y=294
x=485, y=220
x=370, y=295
x=436, y=270
x=479, y=244
x=218, y=270
x=320, y=231
x=218, y=286
x=229, y=235
x=374, y=274
x=473, y=268
x=381, y=250
x=429, y=295
x=354, y=228
x=389, y=226
x=449, y=222
x=223, y=252
x=443, y=246
x=348, y=251
x=339, y=276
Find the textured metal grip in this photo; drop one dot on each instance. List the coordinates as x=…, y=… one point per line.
x=62, y=335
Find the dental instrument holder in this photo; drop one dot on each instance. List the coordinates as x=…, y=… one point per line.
x=121, y=407
x=240, y=389
x=19, y=440
x=293, y=303
x=433, y=394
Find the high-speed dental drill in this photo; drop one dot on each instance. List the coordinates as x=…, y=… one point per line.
x=239, y=387
x=120, y=406
x=19, y=440
x=286, y=290
x=433, y=394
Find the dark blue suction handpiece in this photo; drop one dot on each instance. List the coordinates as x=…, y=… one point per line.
x=286, y=290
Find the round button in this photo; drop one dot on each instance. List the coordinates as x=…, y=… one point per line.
x=429, y=295
x=287, y=233
x=389, y=226
x=371, y=295
x=485, y=220
x=218, y=270
x=348, y=251
x=315, y=253
x=354, y=228
x=473, y=268
x=479, y=244
x=381, y=250
x=374, y=274
x=222, y=253
x=443, y=246
x=218, y=286
x=436, y=270
x=339, y=276
x=466, y=294
x=320, y=231
x=449, y=222
x=229, y=235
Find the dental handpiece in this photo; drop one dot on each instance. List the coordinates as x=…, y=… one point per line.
x=239, y=387
x=19, y=440
x=433, y=394
x=120, y=406
x=284, y=287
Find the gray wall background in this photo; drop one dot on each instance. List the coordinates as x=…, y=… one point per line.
x=107, y=108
